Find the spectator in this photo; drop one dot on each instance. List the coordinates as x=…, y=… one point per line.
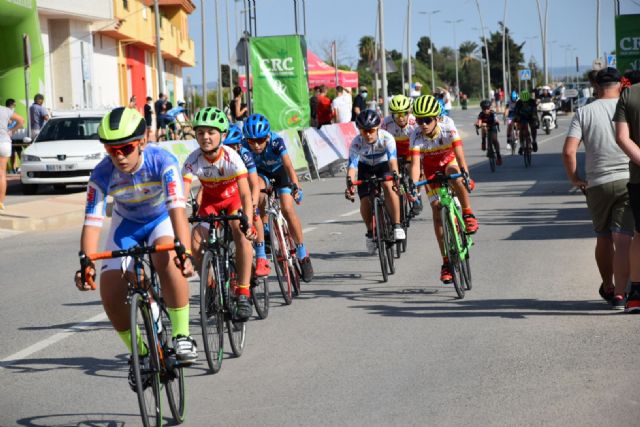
x=627, y=122
x=360, y=103
x=7, y=116
x=594, y=86
x=148, y=117
x=416, y=91
x=607, y=173
x=158, y=106
x=38, y=115
x=237, y=108
x=313, y=107
x=324, y=107
x=496, y=99
x=133, y=103
x=341, y=106
x=446, y=99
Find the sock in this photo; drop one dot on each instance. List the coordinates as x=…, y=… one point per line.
x=125, y=336
x=243, y=290
x=397, y=226
x=259, y=248
x=179, y=320
x=301, y=251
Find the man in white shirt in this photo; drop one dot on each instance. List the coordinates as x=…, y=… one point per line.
x=341, y=106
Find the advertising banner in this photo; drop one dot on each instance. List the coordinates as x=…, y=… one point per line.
x=294, y=148
x=181, y=149
x=628, y=42
x=279, y=80
x=330, y=143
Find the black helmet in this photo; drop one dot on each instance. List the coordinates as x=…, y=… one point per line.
x=367, y=119
x=485, y=104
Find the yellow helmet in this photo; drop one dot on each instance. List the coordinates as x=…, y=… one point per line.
x=426, y=106
x=400, y=104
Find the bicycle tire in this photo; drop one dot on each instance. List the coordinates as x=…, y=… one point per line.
x=294, y=267
x=260, y=296
x=278, y=255
x=466, y=264
x=405, y=209
x=527, y=156
x=236, y=330
x=172, y=374
x=378, y=234
x=452, y=251
x=149, y=399
x=211, y=312
x=390, y=243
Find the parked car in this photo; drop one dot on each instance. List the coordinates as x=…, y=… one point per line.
x=65, y=152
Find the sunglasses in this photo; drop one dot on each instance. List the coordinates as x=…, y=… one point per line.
x=257, y=141
x=424, y=120
x=400, y=115
x=124, y=149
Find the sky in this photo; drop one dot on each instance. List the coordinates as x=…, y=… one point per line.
x=570, y=27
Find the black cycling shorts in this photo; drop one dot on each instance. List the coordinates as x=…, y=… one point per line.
x=282, y=183
x=366, y=171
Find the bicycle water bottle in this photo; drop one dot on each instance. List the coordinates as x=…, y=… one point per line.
x=155, y=313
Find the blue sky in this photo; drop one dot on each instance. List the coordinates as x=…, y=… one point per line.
x=570, y=22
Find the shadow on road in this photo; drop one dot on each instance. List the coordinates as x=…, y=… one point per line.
x=102, y=419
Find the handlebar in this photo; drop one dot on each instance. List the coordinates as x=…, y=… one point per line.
x=373, y=179
x=211, y=219
x=440, y=178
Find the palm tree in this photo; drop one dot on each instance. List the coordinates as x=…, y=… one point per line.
x=467, y=50
x=367, y=49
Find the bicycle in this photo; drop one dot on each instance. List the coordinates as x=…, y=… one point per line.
x=283, y=248
x=490, y=136
x=381, y=224
x=173, y=133
x=218, y=278
x=145, y=298
x=512, y=133
x=525, y=143
x=407, y=206
x=456, y=241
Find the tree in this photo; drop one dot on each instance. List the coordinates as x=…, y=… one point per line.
x=423, y=50
x=516, y=57
x=394, y=54
x=366, y=49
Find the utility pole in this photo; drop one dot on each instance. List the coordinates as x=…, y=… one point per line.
x=543, y=34
x=598, y=29
x=486, y=50
x=226, y=8
x=504, y=53
x=433, y=78
x=160, y=67
x=219, y=94
x=455, y=44
x=203, y=56
x=408, y=44
x=383, y=54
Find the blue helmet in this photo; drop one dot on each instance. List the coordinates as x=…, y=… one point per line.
x=256, y=126
x=514, y=96
x=234, y=136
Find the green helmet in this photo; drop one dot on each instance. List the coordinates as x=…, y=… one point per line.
x=211, y=117
x=121, y=125
x=400, y=104
x=426, y=106
x=525, y=95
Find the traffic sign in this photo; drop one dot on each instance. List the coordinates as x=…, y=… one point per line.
x=524, y=74
x=611, y=61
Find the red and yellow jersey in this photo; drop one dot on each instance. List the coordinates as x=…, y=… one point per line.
x=401, y=135
x=436, y=151
x=218, y=177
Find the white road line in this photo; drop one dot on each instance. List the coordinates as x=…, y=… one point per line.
x=41, y=345
x=308, y=229
x=353, y=212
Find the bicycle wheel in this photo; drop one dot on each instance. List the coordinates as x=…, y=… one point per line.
x=147, y=375
x=451, y=249
x=172, y=376
x=293, y=265
x=279, y=256
x=492, y=162
x=211, y=312
x=527, y=155
x=236, y=330
x=378, y=235
x=389, y=242
x=465, y=241
x=260, y=296
x=405, y=215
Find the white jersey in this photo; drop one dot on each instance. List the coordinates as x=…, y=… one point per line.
x=381, y=151
x=401, y=135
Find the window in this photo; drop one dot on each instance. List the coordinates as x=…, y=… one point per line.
x=125, y=4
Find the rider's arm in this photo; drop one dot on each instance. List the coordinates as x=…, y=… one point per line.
x=569, y=151
x=459, y=152
x=288, y=167
x=414, y=170
x=245, y=196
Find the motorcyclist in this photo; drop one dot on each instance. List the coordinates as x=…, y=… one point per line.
x=546, y=105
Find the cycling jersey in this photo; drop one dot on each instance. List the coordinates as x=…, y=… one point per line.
x=142, y=196
x=526, y=112
x=381, y=151
x=436, y=151
x=488, y=119
x=511, y=105
x=247, y=158
x=401, y=135
x=270, y=160
x=174, y=112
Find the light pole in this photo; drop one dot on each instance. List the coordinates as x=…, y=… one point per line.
x=203, y=56
x=552, y=42
x=159, y=60
x=543, y=35
x=486, y=50
x=408, y=44
x=455, y=44
x=433, y=79
x=219, y=94
x=383, y=54
x=566, y=48
x=504, y=56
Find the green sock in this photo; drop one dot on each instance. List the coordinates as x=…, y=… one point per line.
x=179, y=320
x=125, y=336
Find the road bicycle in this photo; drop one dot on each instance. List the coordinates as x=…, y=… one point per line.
x=456, y=241
x=283, y=248
x=490, y=140
x=174, y=133
x=149, y=315
x=218, y=279
x=381, y=224
x=512, y=134
x=407, y=206
x=525, y=143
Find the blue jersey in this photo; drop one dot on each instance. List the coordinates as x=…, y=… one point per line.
x=143, y=196
x=270, y=160
x=247, y=158
x=173, y=113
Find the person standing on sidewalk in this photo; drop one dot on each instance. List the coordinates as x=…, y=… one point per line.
x=341, y=106
x=627, y=121
x=38, y=115
x=607, y=174
x=7, y=115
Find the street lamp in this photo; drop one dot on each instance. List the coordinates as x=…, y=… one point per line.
x=566, y=48
x=486, y=50
x=433, y=80
x=455, y=44
x=543, y=34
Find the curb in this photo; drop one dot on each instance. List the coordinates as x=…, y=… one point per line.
x=45, y=214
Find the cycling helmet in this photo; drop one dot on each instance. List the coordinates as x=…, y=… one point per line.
x=234, y=136
x=211, y=117
x=525, y=95
x=484, y=104
x=514, y=96
x=368, y=119
x=256, y=126
x=426, y=106
x=121, y=125
x=400, y=104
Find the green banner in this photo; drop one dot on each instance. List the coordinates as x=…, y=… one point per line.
x=294, y=148
x=279, y=77
x=628, y=42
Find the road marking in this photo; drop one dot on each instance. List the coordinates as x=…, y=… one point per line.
x=41, y=345
x=308, y=229
x=353, y=212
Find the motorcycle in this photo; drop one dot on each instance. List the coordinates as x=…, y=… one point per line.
x=547, y=112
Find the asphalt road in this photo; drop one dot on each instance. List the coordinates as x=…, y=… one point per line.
x=532, y=344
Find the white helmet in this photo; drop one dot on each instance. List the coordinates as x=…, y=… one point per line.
x=546, y=88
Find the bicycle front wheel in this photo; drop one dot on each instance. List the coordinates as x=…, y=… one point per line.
x=211, y=312
x=378, y=234
x=260, y=295
x=172, y=373
x=389, y=242
x=236, y=330
x=451, y=249
x=146, y=367
x=294, y=268
x=279, y=256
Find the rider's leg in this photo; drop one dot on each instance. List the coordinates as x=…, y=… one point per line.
x=244, y=257
x=391, y=201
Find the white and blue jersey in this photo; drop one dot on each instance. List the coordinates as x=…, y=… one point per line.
x=270, y=160
x=247, y=158
x=174, y=112
x=381, y=151
x=143, y=196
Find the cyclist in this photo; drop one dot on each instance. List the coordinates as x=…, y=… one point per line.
x=488, y=121
x=440, y=147
x=225, y=187
x=234, y=140
x=400, y=124
x=509, y=115
x=373, y=153
x=273, y=162
x=149, y=208
x=175, y=118
x=526, y=114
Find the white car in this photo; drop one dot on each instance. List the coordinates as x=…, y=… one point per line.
x=65, y=152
